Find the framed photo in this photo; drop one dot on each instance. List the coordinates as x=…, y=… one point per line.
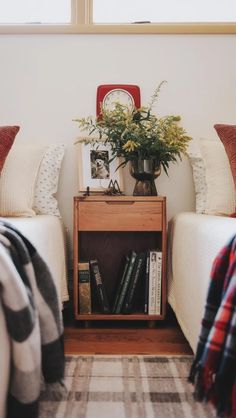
x=94, y=169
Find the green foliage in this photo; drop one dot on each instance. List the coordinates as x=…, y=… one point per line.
x=138, y=133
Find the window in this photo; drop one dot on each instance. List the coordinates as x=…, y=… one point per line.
x=117, y=16
x=35, y=11
x=159, y=11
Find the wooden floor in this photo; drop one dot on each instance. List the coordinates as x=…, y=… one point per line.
x=127, y=337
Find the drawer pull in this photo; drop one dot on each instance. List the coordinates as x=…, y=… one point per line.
x=127, y=202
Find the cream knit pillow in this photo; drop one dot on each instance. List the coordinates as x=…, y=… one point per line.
x=18, y=179
x=220, y=191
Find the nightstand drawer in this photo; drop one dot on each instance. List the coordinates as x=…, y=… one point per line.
x=127, y=215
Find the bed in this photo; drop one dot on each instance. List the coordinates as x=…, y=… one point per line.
x=195, y=238
x=29, y=178
x=46, y=233
x=194, y=241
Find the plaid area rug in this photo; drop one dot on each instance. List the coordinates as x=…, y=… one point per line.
x=124, y=387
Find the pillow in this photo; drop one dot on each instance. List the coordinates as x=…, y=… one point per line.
x=220, y=191
x=199, y=179
x=47, y=182
x=18, y=179
x=7, y=137
x=227, y=134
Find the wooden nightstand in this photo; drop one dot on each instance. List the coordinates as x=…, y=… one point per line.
x=107, y=228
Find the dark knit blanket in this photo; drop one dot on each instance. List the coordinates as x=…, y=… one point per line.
x=214, y=367
x=34, y=323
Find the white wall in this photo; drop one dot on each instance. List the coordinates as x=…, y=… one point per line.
x=47, y=80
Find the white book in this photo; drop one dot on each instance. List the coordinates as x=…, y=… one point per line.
x=158, y=283
x=155, y=272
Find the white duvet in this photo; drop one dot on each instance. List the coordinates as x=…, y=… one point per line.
x=194, y=241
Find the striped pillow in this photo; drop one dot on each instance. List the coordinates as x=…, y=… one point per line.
x=18, y=178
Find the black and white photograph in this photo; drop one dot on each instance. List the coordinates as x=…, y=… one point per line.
x=100, y=168
x=95, y=168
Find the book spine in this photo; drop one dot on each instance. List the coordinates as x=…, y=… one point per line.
x=120, y=284
x=126, y=282
x=84, y=288
x=146, y=284
x=158, y=283
x=101, y=292
x=136, y=275
x=155, y=272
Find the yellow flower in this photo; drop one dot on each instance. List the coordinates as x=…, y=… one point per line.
x=130, y=146
x=149, y=135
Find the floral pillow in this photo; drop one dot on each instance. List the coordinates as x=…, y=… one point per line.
x=199, y=179
x=45, y=201
x=7, y=137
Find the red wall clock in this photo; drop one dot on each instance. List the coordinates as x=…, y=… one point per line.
x=126, y=94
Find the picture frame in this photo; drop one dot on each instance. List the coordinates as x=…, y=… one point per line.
x=94, y=168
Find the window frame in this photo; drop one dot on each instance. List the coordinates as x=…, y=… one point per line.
x=81, y=23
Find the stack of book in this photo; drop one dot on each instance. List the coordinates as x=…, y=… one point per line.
x=86, y=271
x=132, y=274
x=142, y=270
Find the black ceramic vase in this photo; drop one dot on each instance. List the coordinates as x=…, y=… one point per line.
x=145, y=172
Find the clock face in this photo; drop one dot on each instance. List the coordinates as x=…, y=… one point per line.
x=118, y=95
x=109, y=94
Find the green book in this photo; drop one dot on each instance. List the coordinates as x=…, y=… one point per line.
x=121, y=284
x=126, y=282
x=146, y=283
x=137, y=274
x=99, y=285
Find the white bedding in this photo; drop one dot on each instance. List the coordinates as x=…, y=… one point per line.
x=194, y=241
x=47, y=234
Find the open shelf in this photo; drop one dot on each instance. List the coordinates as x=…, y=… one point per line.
x=122, y=219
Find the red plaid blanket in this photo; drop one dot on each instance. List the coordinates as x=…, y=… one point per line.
x=214, y=367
